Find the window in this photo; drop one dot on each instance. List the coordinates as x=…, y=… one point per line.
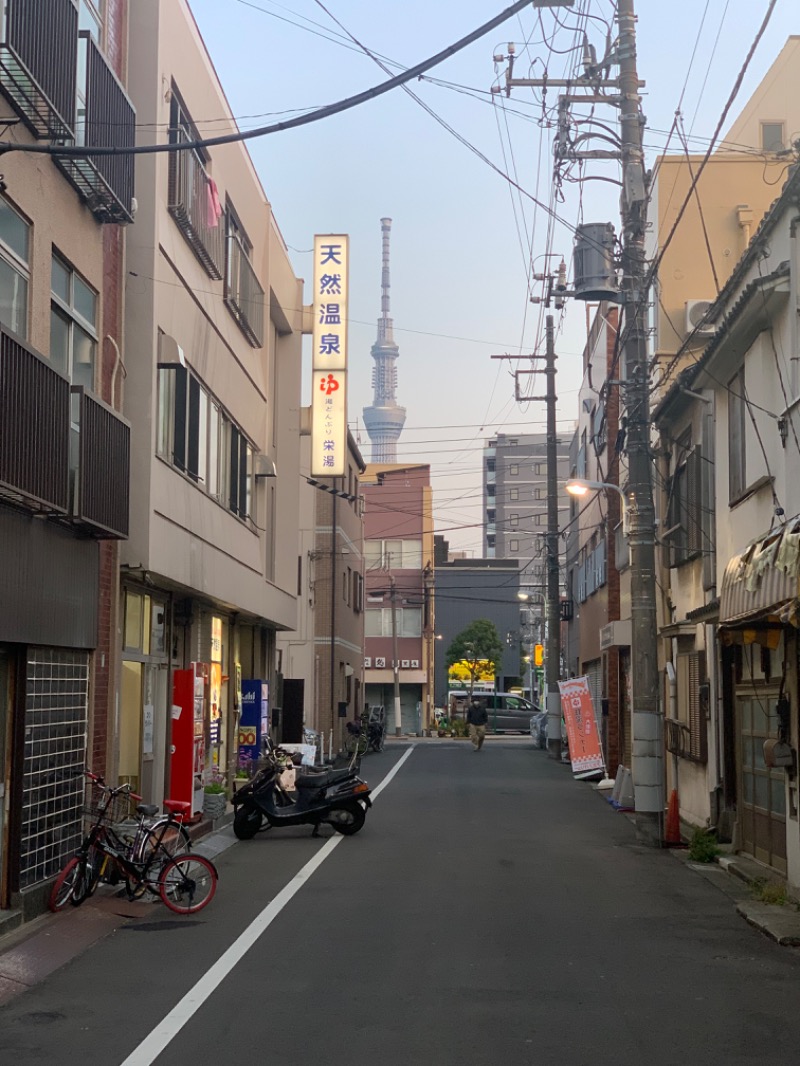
x=513, y=520
x=73, y=316
x=772, y=139
x=243, y=293
x=378, y=621
x=513, y=470
x=540, y=494
x=684, y=511
x=513, y=545
x=736, y=432
x=193, y=195
x=539, y=469
x=393, y=554
x=194, y=436
x=14, y=269
x=513, y=494
x=490, y=466
x=90, y=18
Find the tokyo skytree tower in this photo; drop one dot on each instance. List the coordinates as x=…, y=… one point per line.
x=384, y=419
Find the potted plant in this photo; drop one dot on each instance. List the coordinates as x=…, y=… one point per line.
x=215, y=797
x=244, y=771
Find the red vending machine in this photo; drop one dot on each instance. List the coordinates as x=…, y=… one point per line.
x=188, y=732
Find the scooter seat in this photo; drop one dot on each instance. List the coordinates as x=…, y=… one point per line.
x=323, y=780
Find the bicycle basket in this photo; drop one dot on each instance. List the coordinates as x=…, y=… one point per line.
x=119, y=809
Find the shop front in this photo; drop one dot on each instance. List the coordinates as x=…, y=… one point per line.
x=48, y=630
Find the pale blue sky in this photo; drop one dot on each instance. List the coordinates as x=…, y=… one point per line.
x=460, y=239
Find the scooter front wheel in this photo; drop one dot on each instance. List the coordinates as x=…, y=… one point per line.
x=348, y=818
x=246, y=823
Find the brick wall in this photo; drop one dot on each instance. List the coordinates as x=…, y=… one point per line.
x=107, y=654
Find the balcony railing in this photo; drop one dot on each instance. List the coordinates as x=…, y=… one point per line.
x=38, y=64
x=102, y=479
x=104, y=181
x=34, y=428
x=243, y=293
x=192, y=204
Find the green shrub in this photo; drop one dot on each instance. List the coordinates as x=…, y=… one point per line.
x=703, y=846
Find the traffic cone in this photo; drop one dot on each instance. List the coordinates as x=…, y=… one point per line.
x=672, y=829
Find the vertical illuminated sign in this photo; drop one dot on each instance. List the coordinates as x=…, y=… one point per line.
x=329, y=364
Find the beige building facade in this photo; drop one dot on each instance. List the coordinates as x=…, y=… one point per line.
x=213, y=393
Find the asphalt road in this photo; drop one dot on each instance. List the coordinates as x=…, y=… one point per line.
x=491, y=911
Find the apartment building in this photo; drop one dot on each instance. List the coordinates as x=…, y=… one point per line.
x=64, y=445
x=399, y=560
x=597, y=636
x=515, y=500
x=213, y=332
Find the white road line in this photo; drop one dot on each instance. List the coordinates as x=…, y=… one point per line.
x=153, y=1044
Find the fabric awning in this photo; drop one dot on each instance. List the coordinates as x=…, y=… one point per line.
x=755, y=583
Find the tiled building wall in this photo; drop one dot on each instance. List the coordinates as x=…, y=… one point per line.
x=56, y=704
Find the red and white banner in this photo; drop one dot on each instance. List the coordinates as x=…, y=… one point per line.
x=585, y=752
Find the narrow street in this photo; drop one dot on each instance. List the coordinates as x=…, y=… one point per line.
x=491, y=911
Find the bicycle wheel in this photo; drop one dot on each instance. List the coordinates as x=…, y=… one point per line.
x=187, y=883
x=65, y=883
x=174, y=841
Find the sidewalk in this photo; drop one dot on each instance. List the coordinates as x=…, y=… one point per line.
x=740, y=878
x=40, y=947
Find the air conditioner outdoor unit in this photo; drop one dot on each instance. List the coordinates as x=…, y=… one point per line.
x=696, y=311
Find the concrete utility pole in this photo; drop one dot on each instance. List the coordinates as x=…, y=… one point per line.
x=593, y=87
x=648, y=744
x=398, y=714
x=552, y=661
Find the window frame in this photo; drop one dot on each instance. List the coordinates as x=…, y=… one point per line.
x=67, y=311
x=19, y=266
x=193, y=430
x=737, y=427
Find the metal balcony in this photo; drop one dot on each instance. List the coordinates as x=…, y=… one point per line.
x=34, y=429
x=38, y=64
x=101, y=482
x=105, y=181
x=243, y=293
x=191, y=204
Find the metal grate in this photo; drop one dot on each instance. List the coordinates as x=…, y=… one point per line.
x=56, y=705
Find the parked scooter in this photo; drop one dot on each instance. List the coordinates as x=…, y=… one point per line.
x=336, y=797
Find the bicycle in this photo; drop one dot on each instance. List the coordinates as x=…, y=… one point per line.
x=357, y=740
x=185, y=883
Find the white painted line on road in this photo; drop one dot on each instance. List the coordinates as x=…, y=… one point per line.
x=153, y=1044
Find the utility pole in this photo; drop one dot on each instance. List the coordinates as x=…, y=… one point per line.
x=648, y=744
x=595, y=87
x=553, y=608
x=398, y=714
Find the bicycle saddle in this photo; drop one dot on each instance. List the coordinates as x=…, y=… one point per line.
x=147, y=809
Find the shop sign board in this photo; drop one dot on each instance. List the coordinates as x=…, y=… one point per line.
x=329, y=361
x=577, y=707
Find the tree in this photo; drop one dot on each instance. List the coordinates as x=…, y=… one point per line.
x=477, y=647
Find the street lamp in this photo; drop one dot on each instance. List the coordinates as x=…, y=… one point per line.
x=580, y=487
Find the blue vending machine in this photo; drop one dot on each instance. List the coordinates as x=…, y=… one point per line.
x=254, y=720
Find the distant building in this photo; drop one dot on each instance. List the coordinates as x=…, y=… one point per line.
x=515, y=499
x=398, y=557
x=470, y=589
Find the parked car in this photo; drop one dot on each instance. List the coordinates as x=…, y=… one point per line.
x=508, y=713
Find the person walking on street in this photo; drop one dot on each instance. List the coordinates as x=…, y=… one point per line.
x=477, y=717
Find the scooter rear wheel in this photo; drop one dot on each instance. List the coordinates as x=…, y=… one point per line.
x=246, y=823
x=348, y=818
